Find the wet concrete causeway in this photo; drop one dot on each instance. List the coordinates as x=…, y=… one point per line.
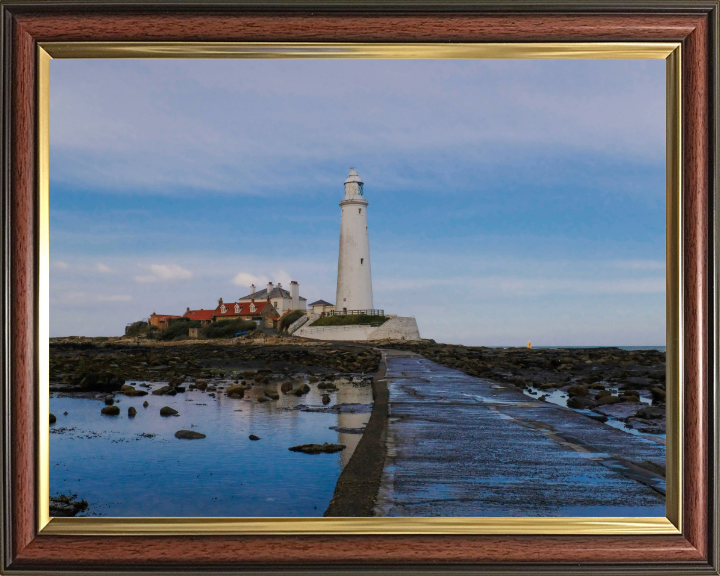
x=464, y=446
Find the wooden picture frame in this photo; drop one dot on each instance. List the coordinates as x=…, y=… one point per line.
x=29, y=25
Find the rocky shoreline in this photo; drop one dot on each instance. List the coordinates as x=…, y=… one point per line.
x=601, y=382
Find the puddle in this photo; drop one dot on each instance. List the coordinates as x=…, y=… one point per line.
x=559, y=398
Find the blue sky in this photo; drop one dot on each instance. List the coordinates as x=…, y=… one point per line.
x=510, y=200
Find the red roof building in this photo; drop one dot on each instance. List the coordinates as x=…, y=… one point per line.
x=202, y=316
x=235, y=310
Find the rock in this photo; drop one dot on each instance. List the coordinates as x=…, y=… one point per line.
x=253, y=437
x=109, y=400
x=658, y=394
x=317, y=448
x=52, y=418
x=262, y=399
x=211, y=388
x=271, y=393
x=145, y=404
x=603, y=394
x=167, y=411
x=651, y=413
x=131, y=391
x=322, y=385
x=238, y=391
x=189, y=435
x=161, y=391
x=325, y=399
x=179, y=389
x=200, y=384
x=66, y=506
x=597, y=386
x=581, y=402
x=313, y=379
x=302, y=389
x=212, y=394
x=131, y=412
x=286, y=386
x=631, y=398
x=344, y=430
x=577, y=390
x=608, y=400
x=110, y=410
x=598, y=417
x=171, y=392
x=620, y=410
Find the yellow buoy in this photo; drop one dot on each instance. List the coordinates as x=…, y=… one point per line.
x=529, y=344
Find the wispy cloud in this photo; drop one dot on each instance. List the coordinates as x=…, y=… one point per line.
x=100, y=267
x=60, y=265
x=163, y=273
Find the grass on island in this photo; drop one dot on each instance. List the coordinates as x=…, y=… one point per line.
x=139, y=328
x=178, y=327
x=350, y=320
x=293, y=316
x=227, y=328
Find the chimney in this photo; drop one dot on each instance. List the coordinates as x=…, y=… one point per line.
x=252, y=289
x=295, y=295
x=188, y=310
x=220, y=302
x=269, y=288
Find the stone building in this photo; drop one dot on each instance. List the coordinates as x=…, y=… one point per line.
x=280, y=298
x=321, y=308
x=160, y=321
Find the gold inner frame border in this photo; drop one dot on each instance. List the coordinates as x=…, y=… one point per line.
x=106, y=526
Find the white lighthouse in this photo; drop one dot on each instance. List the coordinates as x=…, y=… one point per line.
x=354, y=283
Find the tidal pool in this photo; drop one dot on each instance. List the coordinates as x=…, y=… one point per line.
x=136, y=467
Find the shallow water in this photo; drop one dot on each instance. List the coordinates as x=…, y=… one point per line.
x=560, y=397
x=106, y=461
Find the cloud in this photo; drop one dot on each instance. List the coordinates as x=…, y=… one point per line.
x=77, y=297
x=246, y=280
x=61, y=265
x=163, y=273
x=100, y=267
x=114, y=298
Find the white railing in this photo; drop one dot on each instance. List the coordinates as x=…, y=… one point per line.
x=299, y=323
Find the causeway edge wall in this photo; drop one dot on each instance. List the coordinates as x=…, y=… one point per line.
x=399, y=328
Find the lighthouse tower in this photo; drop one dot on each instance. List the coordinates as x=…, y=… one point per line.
x=354, y=284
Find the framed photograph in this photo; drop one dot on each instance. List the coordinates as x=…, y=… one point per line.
x=203, y=373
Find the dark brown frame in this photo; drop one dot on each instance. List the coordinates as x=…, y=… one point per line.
x=694, y=23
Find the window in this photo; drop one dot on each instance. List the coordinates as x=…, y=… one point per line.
x=362, y=260
x=359, y=210
x=223, y=309
x=237, y=308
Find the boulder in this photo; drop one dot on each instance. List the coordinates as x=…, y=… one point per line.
x=286, y=386
x=110, y=410
x=577, y=390
x=145, y=404
x=271, y=393
x=238, y=390
x=131, y=391
x=302, y=389
x=313, y=379
x=608, y=400
x=161, y=391
x=581, y=402
x=602, y=394
x=318, y=448
x=253, y=437
x=262, y=399
x=52, y=418
x=651, y=413
x=167, y=411
x=658, y=394
x=325, y=399
x=200, y=384
x=131, y=412
x=109, y=400
x=189, y=435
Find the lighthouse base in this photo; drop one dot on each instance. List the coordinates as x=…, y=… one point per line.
x=398, y=328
